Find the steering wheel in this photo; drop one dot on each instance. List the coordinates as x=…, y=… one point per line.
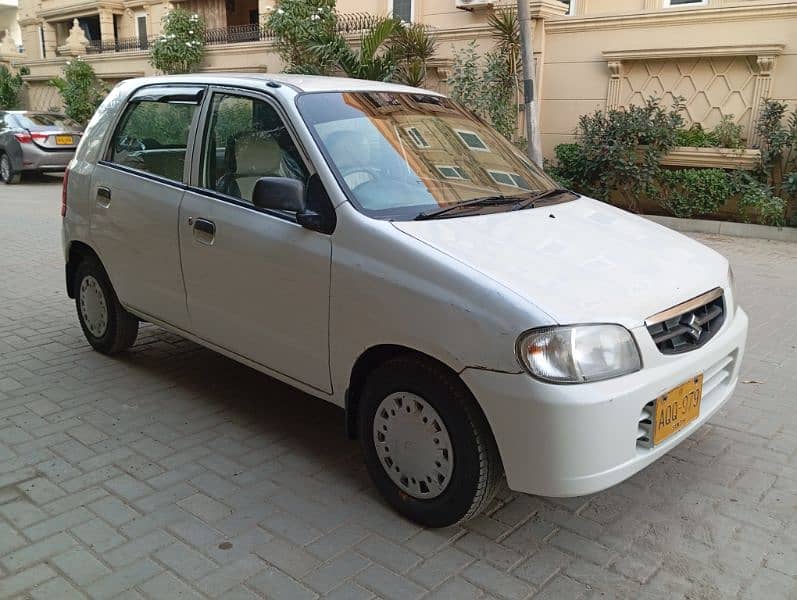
x=371, y=173
x=130, y=143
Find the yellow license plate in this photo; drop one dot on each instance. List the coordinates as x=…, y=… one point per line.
x=677, y=408
x=64, y=139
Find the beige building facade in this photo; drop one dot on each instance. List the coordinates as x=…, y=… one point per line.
x=721, y=56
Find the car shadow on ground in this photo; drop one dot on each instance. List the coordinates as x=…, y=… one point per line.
x=41, y=178
x=194, y=391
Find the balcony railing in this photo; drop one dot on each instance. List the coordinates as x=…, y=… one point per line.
x=234, y=34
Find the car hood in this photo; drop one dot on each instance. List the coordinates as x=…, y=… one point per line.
x=581, y=261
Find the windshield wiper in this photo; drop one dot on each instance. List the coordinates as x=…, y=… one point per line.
x=474, y=203
x=535, y=198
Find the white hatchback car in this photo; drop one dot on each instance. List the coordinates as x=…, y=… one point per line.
x=379, y=247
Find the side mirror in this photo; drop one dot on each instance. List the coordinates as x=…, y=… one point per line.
x=279, y=193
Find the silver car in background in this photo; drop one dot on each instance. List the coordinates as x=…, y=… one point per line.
x=35, y=142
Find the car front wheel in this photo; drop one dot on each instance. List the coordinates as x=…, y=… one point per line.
x=108, y=327
x=427, y=445
x=7, y=173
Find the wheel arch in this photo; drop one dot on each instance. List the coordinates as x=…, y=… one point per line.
x=372, y=358
x=78, y=252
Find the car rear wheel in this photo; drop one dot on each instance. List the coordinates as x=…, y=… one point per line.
x=108, y=327
x=7, y=173
x=426, y=443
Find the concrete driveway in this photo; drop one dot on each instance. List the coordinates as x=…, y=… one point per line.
x=172, y=472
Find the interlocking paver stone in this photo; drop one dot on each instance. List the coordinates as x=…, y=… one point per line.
x=170, y=471
x=80, y=566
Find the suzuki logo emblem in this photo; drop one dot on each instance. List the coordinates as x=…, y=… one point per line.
x=695, y=330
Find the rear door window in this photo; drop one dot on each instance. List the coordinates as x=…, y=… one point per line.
x=152, y=136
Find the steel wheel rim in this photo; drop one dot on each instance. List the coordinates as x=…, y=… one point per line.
x=93, y=307
x=5, y=168
x=413, y=445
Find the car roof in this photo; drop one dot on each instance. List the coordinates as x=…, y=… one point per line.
x=301, y=83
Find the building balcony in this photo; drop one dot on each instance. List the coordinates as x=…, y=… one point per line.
x=232, y=34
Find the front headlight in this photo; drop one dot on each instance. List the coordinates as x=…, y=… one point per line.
x=579, y=353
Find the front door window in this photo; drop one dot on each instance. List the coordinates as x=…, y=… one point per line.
x=246, y=140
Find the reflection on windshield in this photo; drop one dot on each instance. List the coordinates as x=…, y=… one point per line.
x=400, y=154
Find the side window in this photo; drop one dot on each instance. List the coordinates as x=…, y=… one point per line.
x=246, y=140
x=153, y=136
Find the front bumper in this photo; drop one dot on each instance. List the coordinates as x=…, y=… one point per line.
x=571, y=440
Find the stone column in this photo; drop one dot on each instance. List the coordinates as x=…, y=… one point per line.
x=106, y=26
x=50, y=41
x=615, y=83
x=8, y=50
x=763, y=83
x=579, y=8
x=653, y=4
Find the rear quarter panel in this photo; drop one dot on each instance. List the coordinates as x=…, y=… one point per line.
x=81, y=168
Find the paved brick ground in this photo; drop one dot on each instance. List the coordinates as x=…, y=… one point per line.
x=172, y=472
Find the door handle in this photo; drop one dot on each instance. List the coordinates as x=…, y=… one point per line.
x=205, y=226
x=103, y=196
x=204, y=231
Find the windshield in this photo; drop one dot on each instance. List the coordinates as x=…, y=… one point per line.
x=46, y=121
x=398, y=155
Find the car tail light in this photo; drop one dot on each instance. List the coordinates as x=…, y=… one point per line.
x=63, y=192
x=27, y=138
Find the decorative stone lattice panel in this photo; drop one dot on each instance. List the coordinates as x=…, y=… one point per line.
x=711, y=86
x=43, y=97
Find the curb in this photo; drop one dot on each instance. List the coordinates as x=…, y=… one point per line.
x=747, y=230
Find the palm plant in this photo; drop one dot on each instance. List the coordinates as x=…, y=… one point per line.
x=413, y=45
x=506, y=33
x=374, y=59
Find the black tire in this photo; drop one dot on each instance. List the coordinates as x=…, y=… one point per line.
x=121, y=327
x=7, y=173
x=477, y=470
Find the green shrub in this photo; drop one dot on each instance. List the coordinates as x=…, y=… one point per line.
x=695, y=137
x=725, y=134
x=568, y=171
x=761, y=199
x=81, y=90
x=621, y=150
x=181, y=46
x=695, y=192
x=11, y=85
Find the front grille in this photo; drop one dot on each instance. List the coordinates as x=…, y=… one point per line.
x=689, y=325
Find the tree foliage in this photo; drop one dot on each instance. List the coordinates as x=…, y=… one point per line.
x=11, y=85
x=310, y=41
x=181, y=45
x=489, y=85
x=81, y=90
x=298, y=26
